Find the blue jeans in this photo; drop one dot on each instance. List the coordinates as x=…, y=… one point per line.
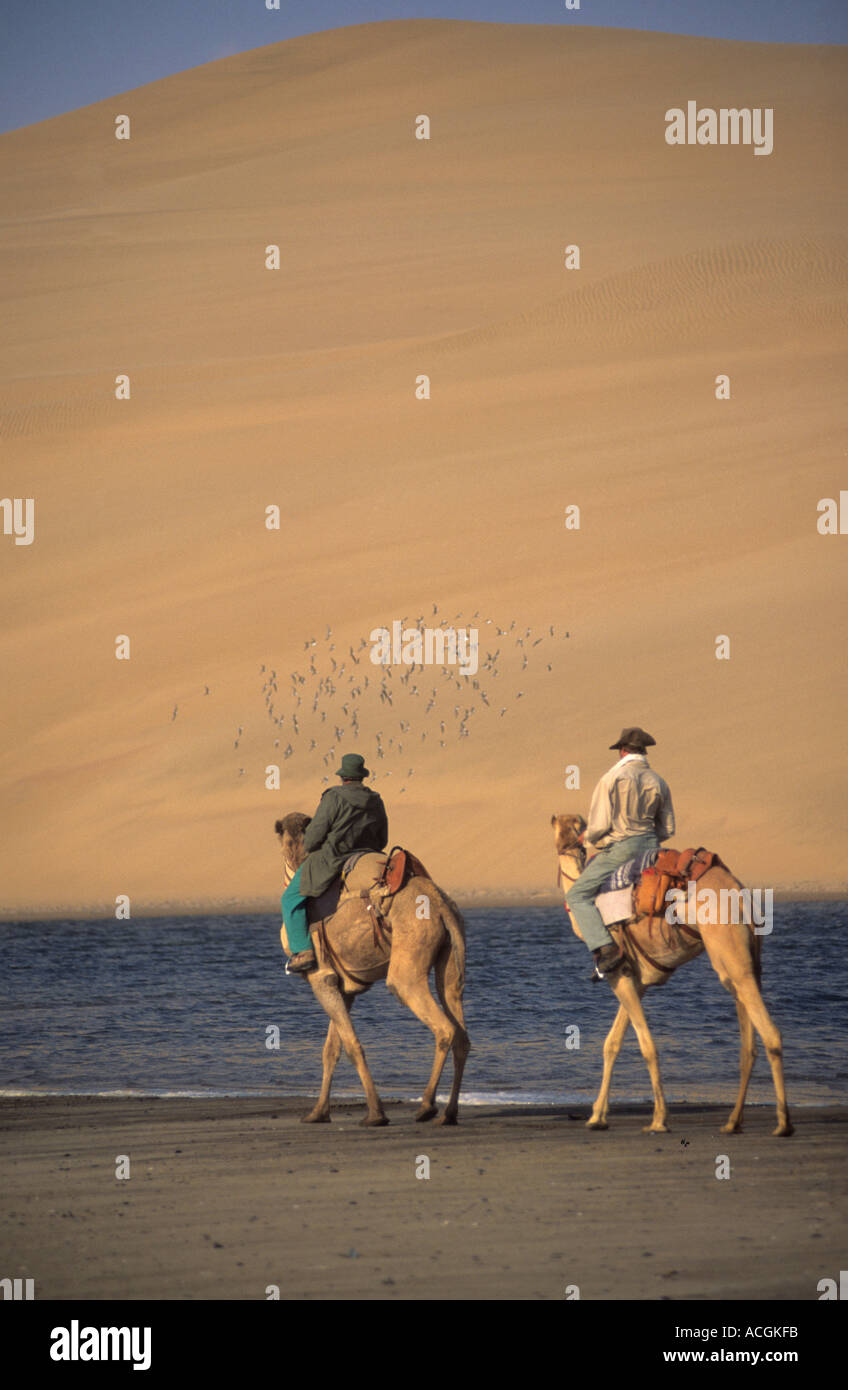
x=293, y=903
x=581, y=898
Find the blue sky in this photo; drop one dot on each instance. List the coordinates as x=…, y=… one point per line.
x=61, y=54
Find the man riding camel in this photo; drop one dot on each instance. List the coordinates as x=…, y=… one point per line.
x=631, y=813
x=349, y=818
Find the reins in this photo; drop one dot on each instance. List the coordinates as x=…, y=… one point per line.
x=561, y=874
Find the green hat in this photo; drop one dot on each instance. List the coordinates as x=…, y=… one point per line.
x=353, y=768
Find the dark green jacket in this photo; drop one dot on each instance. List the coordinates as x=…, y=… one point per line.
x=349, y=817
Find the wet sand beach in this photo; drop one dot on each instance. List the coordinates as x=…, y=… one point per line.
x=227, y=1197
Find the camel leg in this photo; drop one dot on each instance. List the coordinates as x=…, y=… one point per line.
x=735, y=967
x=747, y=991
x=447, y=987
x=325, y=987
x=747, y=1054
x=416, y=995
x=612, y=1047
x=330, y=1056
x=628, y=996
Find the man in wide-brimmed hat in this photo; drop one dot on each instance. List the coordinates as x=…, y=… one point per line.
x=631, y=813
x=349, y=818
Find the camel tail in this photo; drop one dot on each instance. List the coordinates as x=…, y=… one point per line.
x=454, y=924
x=756, y=946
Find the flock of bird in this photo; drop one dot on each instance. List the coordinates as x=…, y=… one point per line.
x=338, y=701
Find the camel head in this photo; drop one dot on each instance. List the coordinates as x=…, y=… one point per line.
x=290, y=834
x=566, y=831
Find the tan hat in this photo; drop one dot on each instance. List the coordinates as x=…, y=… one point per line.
x=634, y=738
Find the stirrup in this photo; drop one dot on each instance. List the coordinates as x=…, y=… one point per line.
x=620, y=966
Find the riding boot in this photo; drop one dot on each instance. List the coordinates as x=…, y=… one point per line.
x=608, y=961
x=301, y=963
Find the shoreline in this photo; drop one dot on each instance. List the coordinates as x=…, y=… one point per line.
x=349, y=1098
x=227, y=1197
x=253, y=907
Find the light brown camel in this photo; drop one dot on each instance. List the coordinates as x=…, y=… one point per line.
x=426, y=932
x=734, y=950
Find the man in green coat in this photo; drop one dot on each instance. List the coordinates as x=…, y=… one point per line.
x=349, y=818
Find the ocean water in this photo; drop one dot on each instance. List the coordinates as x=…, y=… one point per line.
x=184, y=1006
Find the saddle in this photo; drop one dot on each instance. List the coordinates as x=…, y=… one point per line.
x=402, y=865
x=373, y=877
x=672, y=869
x=637, y=892
x=367, y=874
x=383, y=874
x=642, y=887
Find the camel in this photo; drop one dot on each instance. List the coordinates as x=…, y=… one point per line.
x=734, y=951
x=425, y=932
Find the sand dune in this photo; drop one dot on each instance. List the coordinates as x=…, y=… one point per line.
x=686, y=300
x=296, y=387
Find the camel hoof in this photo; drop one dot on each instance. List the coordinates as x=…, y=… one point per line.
x=447, y=1119
x=655, y=1129
x=784, y=1130
x=427, y=1112
x=373, y=1122
x=597, y=1124
x=315, y=1117
x=730, y=1129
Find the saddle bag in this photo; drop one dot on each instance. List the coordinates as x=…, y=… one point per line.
x=673, y=868
x=649, y=893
